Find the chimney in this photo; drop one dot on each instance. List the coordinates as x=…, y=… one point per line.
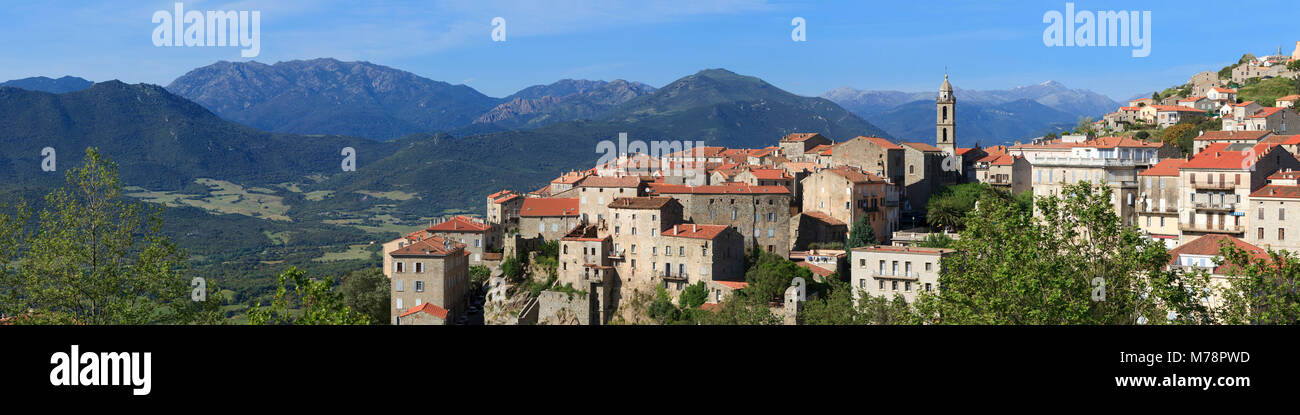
x=675, y=229
x=692, y=227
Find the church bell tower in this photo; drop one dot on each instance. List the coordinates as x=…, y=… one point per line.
x=946, y=127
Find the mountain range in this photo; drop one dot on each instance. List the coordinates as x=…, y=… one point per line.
x=989, y=116
x=46, y=84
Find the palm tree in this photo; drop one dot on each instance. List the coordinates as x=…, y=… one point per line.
x=943, y=215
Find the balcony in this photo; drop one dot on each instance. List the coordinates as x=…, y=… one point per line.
x=617, y=255
x=1215, y=207
x=1155, y=210
x=1092, y=162
x=672, y=277
x=910, y=276
x=1227, y=229
x=1213, y=186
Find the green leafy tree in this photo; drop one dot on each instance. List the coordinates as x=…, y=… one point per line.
x=1142, y=135
x=661, y=309
x=693, y=296
x=770, y=276
x=937, y=240
x=318, y=304
x=742, y=308
x=1073, y=263
x=1180, y=135
x=478, y=277
x=1262, y=290
x=95, y=258
x=367, y=292
x=513, y=269
x=863, y=234
x=943, y=214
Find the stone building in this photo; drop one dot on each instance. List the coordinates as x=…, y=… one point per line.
x=692, y=253
x=1217, y=182
x=635, y=230
x=757, y=176
x=596, y=192
x=889, y=271
x=793, y=146
x=503, y=209
x=1158, y=203
x=1276, y=213
x=478, y=237
x=1005, y=172
x=924, y=174
x=945, y=134
x=548, y=218
x=433, y=270
x=760, y=213
x=1114, y=161
x=1230, y=137
x=846, y=193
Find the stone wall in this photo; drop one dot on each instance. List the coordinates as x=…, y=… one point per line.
x=560, y=308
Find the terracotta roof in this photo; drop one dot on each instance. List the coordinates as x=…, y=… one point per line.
x=506, y=199
x=820, y=148
x=1005, y=160
x=1243, y=104
x=605, y=181
x=1232, y=135
x=431, y=246
x=1166, y=167
x=770, y=174
x=543, y=191
x=1175, y=108
x=1266, y=111
x=500, y=193
x=1216, y=156
x=699, y=152
x=1277, y=191
x=824, y=218
x=1288, y=98
x=569, y=178
x=799, y=137
x=1100, y=142
x=644, y=202
x=923, y=147
x=427, y=308
x=815, y=269
x=963, y=151
x=733, y=284
x=459, y=224
x=1287, y=174
x=694, y=231
x=879, y=141
x=539, y=206
x=711, y=307
x=801, y=166
x=1191, y=99
x=1209, y=245
x=1130, y=108
x=1227, y=90
x=855, y=175
x=725, y=188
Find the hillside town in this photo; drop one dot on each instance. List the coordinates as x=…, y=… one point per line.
x=648, y=222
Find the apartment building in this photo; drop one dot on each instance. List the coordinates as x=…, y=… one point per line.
x=760, y=213
x=1202, y=253
x=1167, y=115
x=846, y=193
x=503, y=209
x=548, y=218
x=478, y=237
x=1114, y=161
x=874, y=155
x=1005, y=172
x=1217, y=182
x=691, y=253
x=889, y=270
x=596, y=192
x=433, y=270
x=1276, y=211
x=635, y=230
x=1158, y=197
x=924, y=173
x=758, y=176
x=1279, y=120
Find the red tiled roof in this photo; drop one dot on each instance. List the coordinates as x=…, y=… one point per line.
x=538, y=206
x=1227, y=90
x=1232, y=135
x=1175, y=108
x=1100, y=142
x=506, y=199
x=431, y=246
x=923, y=147
x=569, y=178
x=733, y=284
x=1130, y=108
x=1277, y=191
x=815, y=269
x=694, y=231
x=1288, y=98
x=963, y=151
x=770, y=174
x=799, y=137
x=500, y=193
x=1166, y=167
x=1209, y=245
x=1191, y=99
x=605, y=181
x=1266, y=111
x=880, y=142
x=1217, y=157
x=1285, y=174
x=710, y=307
x=904, y=249
x=459, y=224
x=427, y=308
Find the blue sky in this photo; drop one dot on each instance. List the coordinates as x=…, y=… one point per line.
x=901, y=45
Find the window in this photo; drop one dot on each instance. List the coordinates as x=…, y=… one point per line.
x=399, y=303
x=882, y=285
x=668, y=251
x=1261, y=213
x=907, y=286
x=419, y=286
x=862, y=262
x=555, y=227
x=882, y=267
x=634, y=248
x=717, y=295
x=771, y=232
x=927, y=287
x=399, y=267
x=907, y=268
x=633, y=263
x=734, y=214
x=419, y=267
x=894, y=285
x=654, y=250
x=771, y=217
x=1261, y=234
x=862, y=283
x=704, y=251
x=681, y=251
x=399, y=285
x=1281, y=214
x=541, y=228
x=927, y=267
x=1281, y=234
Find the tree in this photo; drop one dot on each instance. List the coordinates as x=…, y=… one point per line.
x=367, y=292
x=742, y=308
x=1073, y=263
x=1142, y=135
x=478, y=277
x=943, y=214
x=693, y=296
x=513, y=269
x=863, y=234
x=319, y=304
x=771, y=274
x=937, y=240
x=97, y=259
x=1180, y=135
x=1263, y=290
x=661, y=308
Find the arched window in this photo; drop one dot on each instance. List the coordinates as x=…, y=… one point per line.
x=945, y=136
x=945, y=113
